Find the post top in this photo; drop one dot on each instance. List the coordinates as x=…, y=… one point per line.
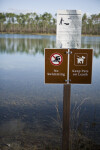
x=69, y=12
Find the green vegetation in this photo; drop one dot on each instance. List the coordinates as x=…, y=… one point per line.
x=43, y=23
x=27, y=23
x=91, y=25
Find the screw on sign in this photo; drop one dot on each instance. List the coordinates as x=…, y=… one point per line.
x=56, y=59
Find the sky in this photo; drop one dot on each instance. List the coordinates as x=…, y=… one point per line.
x=50, y=6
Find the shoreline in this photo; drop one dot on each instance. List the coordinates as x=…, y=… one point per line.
x=42, y=33
x=27, y=33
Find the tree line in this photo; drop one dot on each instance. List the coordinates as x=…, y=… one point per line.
x=43, y=23
x=91, y=24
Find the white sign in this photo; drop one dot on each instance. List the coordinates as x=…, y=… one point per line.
x=69, y=29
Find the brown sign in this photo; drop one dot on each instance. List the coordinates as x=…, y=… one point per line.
x=56, y=62
x=80, y=66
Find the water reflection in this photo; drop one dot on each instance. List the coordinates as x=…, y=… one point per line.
x=25, y=45
x=34, y=44
x=92, y=42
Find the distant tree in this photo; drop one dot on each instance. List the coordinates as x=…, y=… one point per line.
x=84, y=24
x=2, y=20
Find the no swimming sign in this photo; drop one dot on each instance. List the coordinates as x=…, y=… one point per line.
x=68, y=66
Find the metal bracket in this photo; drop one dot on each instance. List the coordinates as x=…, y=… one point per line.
x=68, y=52
x=67, y=80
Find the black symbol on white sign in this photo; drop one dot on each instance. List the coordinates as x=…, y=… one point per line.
x=61, y=21
x=66, y=23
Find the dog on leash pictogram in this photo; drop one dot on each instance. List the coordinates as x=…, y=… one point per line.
x=80, y=59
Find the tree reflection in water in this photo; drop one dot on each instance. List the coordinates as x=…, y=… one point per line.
x=26, y=45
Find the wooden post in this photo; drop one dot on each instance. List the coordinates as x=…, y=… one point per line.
x=66, y=117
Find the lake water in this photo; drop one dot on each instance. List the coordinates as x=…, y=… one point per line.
x=30, y=111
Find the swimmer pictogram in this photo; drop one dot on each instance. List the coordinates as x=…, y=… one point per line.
x=56, y=59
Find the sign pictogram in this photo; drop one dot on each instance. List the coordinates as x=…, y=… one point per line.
x=56, y=59
x=61, y=21
x=80, y=59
